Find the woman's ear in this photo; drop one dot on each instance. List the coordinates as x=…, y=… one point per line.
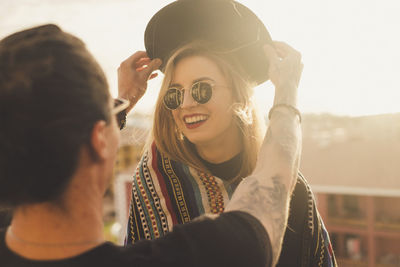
x=98, y=140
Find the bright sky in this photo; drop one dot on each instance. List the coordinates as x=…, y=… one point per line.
x=350, y=48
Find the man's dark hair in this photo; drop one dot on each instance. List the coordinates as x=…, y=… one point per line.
x=52, y=92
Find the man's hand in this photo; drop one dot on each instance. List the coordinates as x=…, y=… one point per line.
x=133, y=74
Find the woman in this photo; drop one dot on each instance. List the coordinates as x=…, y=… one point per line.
x=206, y=133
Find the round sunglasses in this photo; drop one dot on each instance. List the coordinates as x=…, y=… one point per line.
x=200, y=91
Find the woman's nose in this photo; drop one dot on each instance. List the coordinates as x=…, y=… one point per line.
x=188, y=100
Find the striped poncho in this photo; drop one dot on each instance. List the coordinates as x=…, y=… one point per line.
x=166, y=193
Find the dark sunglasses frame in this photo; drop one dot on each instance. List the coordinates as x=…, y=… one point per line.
x=119, y=110
x=195, y=92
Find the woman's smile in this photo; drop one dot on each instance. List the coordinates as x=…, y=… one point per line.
x=193, y=121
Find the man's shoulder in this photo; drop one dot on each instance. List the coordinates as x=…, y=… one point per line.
x=2, y=242
x=105, y=255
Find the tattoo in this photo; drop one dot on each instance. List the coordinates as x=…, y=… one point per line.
x=277, y=203
x=268, y=203
x=266, y=193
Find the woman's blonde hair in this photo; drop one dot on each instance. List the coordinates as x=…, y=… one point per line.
x=169, y=139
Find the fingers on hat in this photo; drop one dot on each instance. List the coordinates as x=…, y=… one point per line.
x=142, y=61
x=271, y=53
x=135, y=57
x=152, y=66
x=283, y=50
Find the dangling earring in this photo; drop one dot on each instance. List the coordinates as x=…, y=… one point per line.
x=179, y=134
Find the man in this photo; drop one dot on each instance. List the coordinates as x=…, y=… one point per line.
x=58, y=143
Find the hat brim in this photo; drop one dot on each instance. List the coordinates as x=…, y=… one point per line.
x=229, y=26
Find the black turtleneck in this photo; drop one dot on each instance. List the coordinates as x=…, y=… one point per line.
x=226, y=170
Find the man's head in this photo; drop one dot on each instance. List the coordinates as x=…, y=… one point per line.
x=54, y=102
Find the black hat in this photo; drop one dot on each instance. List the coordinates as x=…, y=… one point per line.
x=228, y=26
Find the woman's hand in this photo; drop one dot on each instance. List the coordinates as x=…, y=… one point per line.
x=284, y=72
x=133, y=74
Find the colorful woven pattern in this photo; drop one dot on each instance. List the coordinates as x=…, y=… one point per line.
x=166, y=193
x=161, y=198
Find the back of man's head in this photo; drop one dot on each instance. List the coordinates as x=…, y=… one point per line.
x=52, y=92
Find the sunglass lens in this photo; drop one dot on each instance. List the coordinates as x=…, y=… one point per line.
x=202, y=92
x=172, y=99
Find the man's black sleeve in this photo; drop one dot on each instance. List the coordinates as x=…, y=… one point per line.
x=232, y=239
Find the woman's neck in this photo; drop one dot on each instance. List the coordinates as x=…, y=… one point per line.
x=221, y=149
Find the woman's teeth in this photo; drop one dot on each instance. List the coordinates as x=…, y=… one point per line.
x=195, y=119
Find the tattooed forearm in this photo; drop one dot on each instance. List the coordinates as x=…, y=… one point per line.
x=267, y=203
x=266, y=193
x=274, y=207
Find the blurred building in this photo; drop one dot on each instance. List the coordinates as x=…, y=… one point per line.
x=353, y=165
x=133, y=139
